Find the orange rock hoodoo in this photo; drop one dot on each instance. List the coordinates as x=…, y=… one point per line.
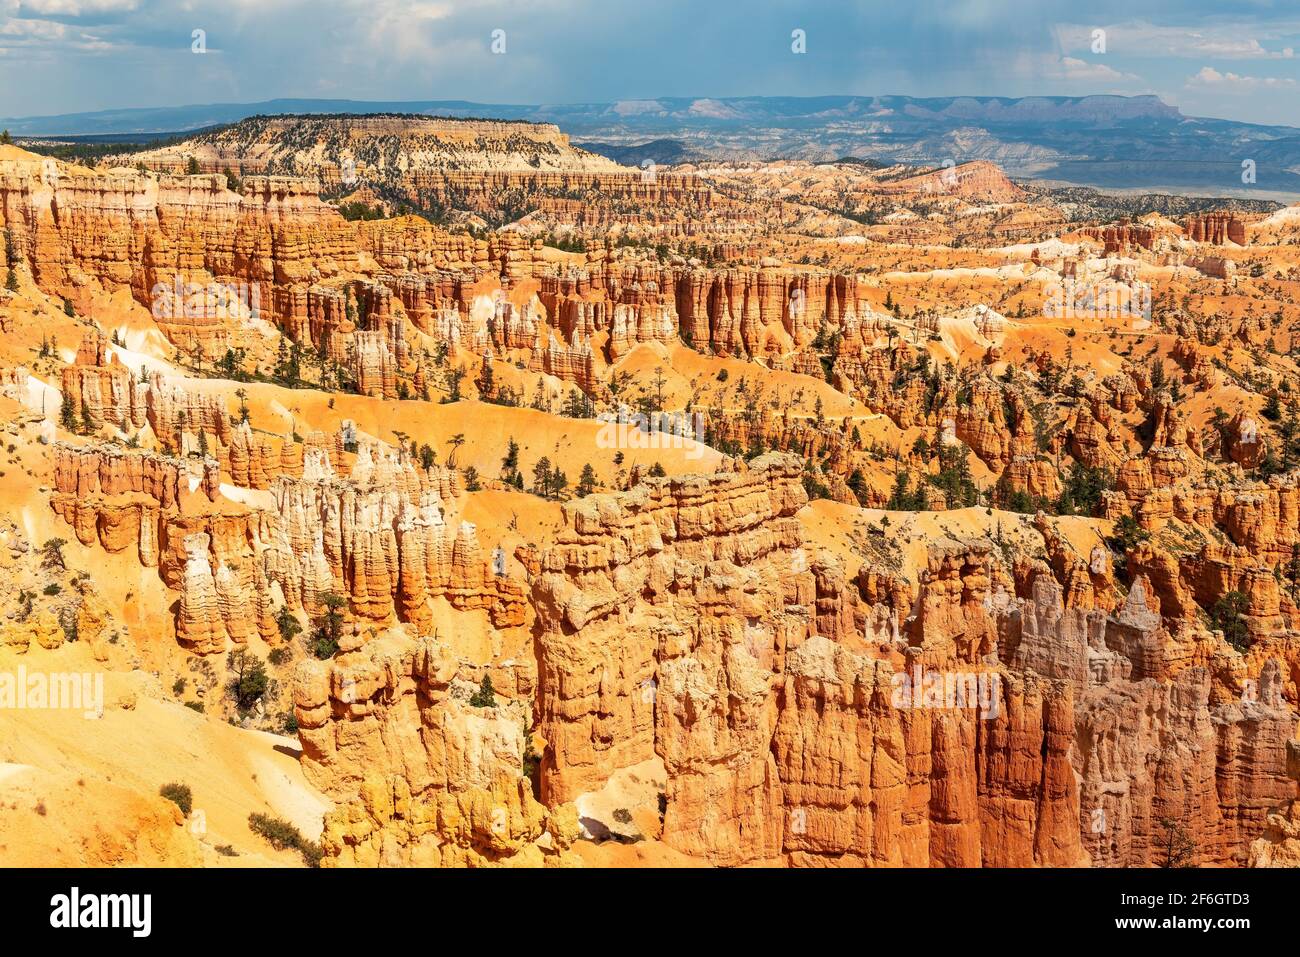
x=1125, y=655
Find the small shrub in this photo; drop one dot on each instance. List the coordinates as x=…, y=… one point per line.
x=280, y=834
x=51, y=589
x=178, y=794
x=311, y=853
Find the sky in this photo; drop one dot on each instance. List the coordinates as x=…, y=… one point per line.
x=1236, y=59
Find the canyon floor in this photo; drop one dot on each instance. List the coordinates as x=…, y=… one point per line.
x=403, y=491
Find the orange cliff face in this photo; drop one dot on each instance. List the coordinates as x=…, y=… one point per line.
x=715, y=597
x=127, y=228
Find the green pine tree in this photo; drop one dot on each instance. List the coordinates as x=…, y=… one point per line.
x=485, y=697
x=586, y=481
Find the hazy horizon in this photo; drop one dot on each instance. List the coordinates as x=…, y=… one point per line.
x=543, y=105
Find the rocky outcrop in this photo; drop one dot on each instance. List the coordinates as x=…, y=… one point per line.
x=254, y=459
x=1216, y=267
x=100, y=390
x=198, y=622
x=179, y=416
x=86, y=471
x=422, y=776
x=1218, y=228
x=380, y=539
x=132, y=501
x=752, y=312
x=1137, y=695
x=374, y=365
x=577, y=363
x=979, y=181
x=40, y=628
x=1279, y=844
x=597, y=704
x=783, y=736
x=1125, y=237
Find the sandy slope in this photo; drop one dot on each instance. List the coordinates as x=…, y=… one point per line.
x=79, y=790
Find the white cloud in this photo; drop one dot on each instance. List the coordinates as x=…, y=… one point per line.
x=1074, y=69
x=33, y=29
x=401, y=30
x=75, y=8
x=1209, y=77
x=1045, y=66
x=33, y=38
x=1229, y=42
